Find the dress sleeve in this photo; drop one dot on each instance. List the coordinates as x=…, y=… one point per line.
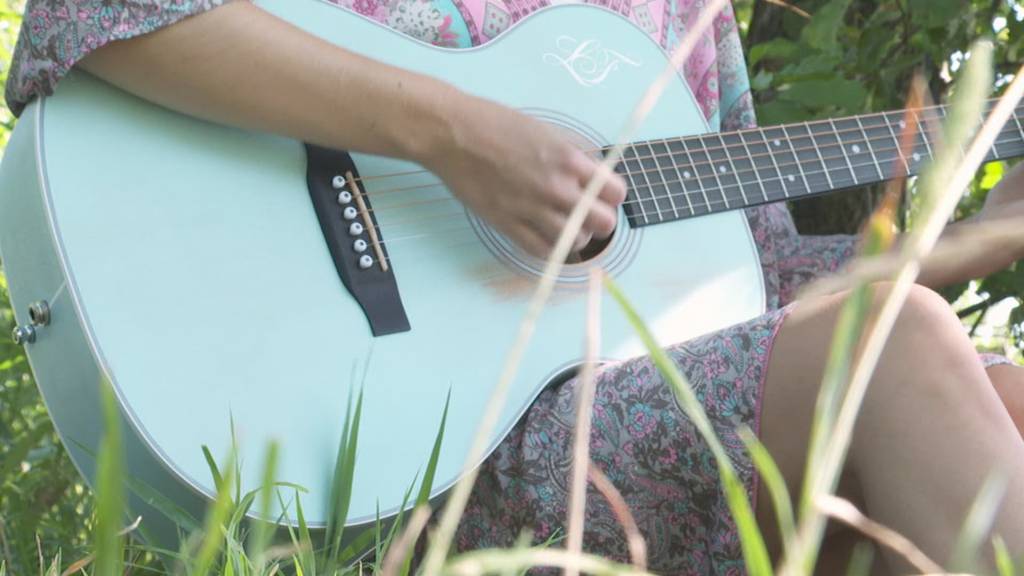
x=56, y=34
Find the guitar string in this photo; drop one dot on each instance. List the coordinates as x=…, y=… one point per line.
x=789, y=150
x=700, y=179
x=901, y=114
x=711, y=204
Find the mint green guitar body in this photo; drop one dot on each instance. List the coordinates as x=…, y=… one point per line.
x=183, y=262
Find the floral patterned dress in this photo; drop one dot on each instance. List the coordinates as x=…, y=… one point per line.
x=641, y=440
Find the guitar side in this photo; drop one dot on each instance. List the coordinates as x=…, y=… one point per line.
x=183, y=260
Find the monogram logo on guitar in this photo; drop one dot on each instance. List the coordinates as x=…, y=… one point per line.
x=587, y=61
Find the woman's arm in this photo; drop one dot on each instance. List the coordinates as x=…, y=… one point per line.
x=1005, y=203
x=243, y=66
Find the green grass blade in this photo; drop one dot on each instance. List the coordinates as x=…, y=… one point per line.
x=428, y=477
x=306, y=553
x=109, y=544
x=861, y=560
x=396, y=525
x=162, y=504
x=338, y=487
x=214, y=470
x=755, y=553
x=217, y=516
x=1004, y=562
x=773, y=482
x=978, y=524
x=435, y=454
x=357, y=547
x=343, y=488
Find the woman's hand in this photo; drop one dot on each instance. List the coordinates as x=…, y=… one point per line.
x=1004, y=206
x=520, y=175
x=1006, y=200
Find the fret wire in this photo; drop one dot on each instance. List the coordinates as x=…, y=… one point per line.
x=735, y=172
x=753, y=165
x=775, y=163
x=898, y=143
x=924, y=137
x=796, y=160
x=696, y=174
x=711, y=165
x=881, y=115
x=888, y=123
x=821, y=158
x=1020, y=129
x=884, y=115
x=780, y=178
x=871, y=149
x=657, y=164
x=638, y=202
x=842, y=149
x=786, y=177
x=650, y=189
x=682, y=183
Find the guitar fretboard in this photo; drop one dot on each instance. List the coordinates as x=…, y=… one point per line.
x=680, y=178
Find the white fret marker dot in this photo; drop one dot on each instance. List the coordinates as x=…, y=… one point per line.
x=777, y=143
x=856, y=149
x=791, y=178
x=903, y=124
x=686, y=174
x=722, y=169
x=917, y=157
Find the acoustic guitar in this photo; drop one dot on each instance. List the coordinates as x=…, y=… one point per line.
x=218, y=277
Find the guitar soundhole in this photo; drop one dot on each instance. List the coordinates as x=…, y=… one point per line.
x=591, y=251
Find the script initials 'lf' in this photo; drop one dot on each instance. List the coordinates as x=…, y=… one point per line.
x=587, y=62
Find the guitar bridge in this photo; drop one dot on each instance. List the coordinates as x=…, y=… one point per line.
x=354, y=239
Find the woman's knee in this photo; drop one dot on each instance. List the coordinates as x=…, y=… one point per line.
x=926, y=324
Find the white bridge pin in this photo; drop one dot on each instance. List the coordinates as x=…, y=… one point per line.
x=359, y=245
x=350, y=213
x=355, y=229
x=338, y=182
x=344, y=197
x=365, y=261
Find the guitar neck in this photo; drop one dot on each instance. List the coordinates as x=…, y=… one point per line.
x=679, y=178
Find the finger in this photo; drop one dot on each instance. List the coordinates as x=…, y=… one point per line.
x=613, y=191
x=601, y=220
x=549, y=226
x=531, y=241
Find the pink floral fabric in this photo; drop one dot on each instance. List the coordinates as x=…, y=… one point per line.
x=641, y=440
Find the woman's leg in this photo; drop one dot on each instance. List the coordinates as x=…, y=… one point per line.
x=931, y=430
x=1008, y=381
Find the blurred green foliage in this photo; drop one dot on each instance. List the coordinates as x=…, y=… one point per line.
x=820, y=58
x=41, y=494
x=847, y=57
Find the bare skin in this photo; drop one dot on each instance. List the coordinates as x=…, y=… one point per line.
x=931, y=430
x=314, y=91
x=934, y=423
